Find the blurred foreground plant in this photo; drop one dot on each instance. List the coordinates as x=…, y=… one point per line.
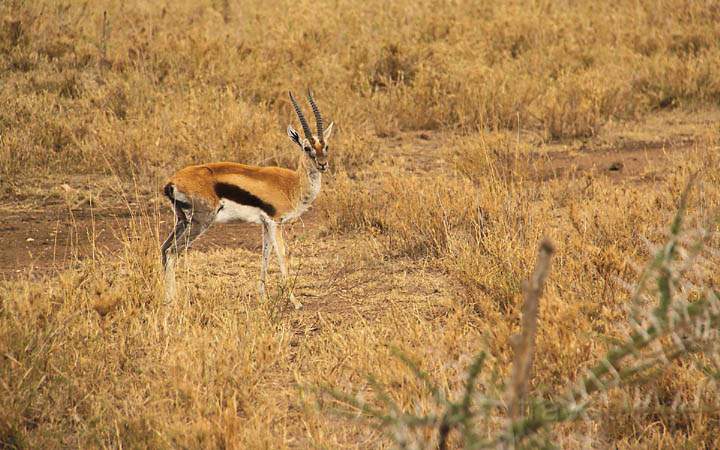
x=683, y=322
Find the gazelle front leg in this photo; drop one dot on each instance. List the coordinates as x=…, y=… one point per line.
x=275, y=233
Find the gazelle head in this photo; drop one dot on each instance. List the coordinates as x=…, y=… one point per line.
x=314, y=146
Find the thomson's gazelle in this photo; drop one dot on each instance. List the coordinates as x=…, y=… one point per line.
x=268, y=196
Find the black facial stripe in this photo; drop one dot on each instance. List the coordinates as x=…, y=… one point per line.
x=242, y=197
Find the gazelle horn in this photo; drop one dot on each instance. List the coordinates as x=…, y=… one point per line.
x=318, y=117
x=303, y=122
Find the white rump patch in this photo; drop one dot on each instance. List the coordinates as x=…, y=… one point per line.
x=230, y=211
x=179, y=196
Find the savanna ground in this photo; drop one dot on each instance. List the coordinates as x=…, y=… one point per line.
x=466, y=132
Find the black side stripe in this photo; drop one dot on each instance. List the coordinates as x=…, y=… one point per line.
x=169, y=194
x=243, y=197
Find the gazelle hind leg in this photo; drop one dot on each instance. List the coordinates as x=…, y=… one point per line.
x=170, y=278
x=266, y=247
x=169, y=252
x=182, y=236
x=170, y=244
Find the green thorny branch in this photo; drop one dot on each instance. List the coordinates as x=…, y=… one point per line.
x=673, y=329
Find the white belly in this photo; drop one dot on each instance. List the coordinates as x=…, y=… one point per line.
x=230, y=212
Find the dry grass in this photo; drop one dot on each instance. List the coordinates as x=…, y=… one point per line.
x=454, y=119
x=155, y=85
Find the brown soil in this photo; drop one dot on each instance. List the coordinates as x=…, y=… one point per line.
x=39, y=242
x=635, y=161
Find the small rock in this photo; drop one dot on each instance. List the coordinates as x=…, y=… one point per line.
x=29, y=240
x=617, y=165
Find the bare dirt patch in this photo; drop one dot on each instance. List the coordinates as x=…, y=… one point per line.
x=39, y=242
x=635, y=161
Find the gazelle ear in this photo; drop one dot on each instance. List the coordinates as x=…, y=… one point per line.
x=328, y=131
x=294, y=136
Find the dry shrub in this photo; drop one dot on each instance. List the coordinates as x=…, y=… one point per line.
x=393, y=66
x=104, y=322
x=491, y=262
x=674, y=81
x=416, y=216
x=675, y=398
x=352, y=153
x=587, y=101
x=57, y=328
x=561, y=71
x=491, y=160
